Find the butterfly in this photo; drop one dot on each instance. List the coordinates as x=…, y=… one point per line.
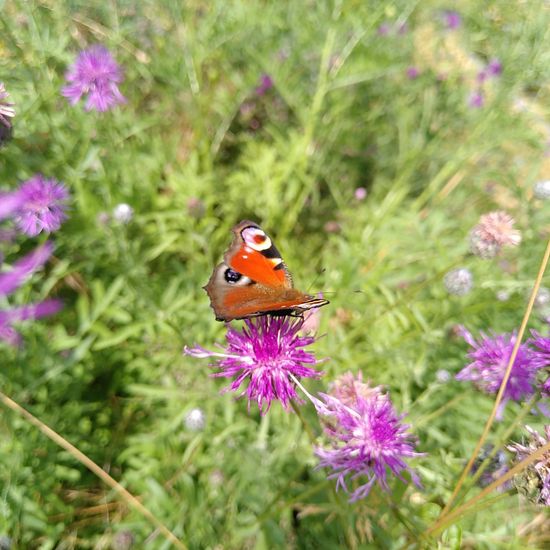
x=253, y=280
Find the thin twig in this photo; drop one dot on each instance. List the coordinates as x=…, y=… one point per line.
x=503, y=384
x=94, y=468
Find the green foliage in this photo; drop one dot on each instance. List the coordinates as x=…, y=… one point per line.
x=195, y=150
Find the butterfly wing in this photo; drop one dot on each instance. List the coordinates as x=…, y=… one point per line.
x=253, y=280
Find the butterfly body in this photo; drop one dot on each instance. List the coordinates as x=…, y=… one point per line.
x=253, y=279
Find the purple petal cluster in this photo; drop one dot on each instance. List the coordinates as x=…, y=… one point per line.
x=534, y=481
x=266, y=83
x=95, y=74
x=264, y=358
x=452, y=20
x=366, y=438
x=490, y=358
x=13, y=279
x=42, y=205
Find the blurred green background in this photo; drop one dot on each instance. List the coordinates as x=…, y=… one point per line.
x=196, y=149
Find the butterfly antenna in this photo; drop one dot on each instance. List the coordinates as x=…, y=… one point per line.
x=315, y=280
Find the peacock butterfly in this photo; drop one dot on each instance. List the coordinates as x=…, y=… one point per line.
x=253, y=279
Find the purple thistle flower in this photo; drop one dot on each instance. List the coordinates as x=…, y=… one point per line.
x=9, y=204
x=494, y=68
x=266, y=83
x=366, y=437
x=490, y=358
x=267, y=354
x=534, y=481
x=6, y=108
x=96, y=74
x=452, y=20
x=384, y=29
x=42, y=205
x=412, y=73
x=24, y=268
x=476, y=99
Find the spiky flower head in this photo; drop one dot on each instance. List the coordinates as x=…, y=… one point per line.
x=490, y=358
x=6, y=108
x=452, y=20
x=494, y=231
x=458, y=281
x=476, y=99
x=266, y=83
x=43, y=205
x=534, y=481
x=95, y=74
x=123, y=213
x=366, y=437
x=264, y=356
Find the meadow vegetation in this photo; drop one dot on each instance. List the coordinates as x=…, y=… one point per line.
x=367, y=139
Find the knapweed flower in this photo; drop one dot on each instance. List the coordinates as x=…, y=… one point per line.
x=266, y=83
x=264, y=356
x=360, y=194
x=366, y=437
x=43, y=205
x=494, y=231
x=458, y=281
x=412, y=72
x=123, y=213
x=9, y=204
x=541, y=190
x=96, y=75
x=476, y=99
x=494, y=68
x=534, y=481
x=452, y=20
x=13, y=279
x=6, y=108
x=490, y=358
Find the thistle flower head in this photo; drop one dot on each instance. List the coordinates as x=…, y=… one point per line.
x=95, y=74
x=494, y=231
x=366, y=437
x=534, y=481
x=123, y=213
x=452, y=20
x=490, y=358
x=476, y=99
x=266, y=83
x=6, y=108
x=264, y=356
x=458, y=281
x=43, y=205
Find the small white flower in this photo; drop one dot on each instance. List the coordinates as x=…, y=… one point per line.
x=459, y=281
x=123, y=213
x=541, y=190
x=195, y=420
